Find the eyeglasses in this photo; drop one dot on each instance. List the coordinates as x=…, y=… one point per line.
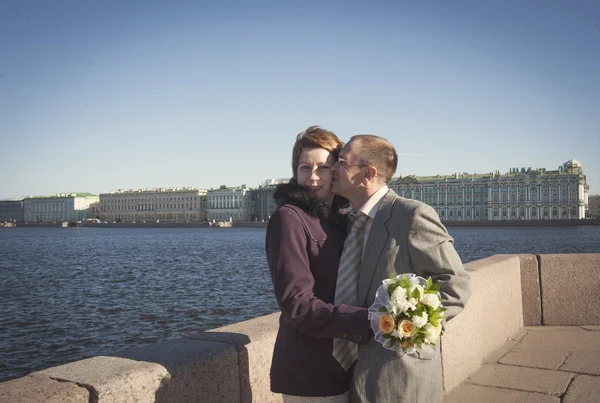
x=347, y=163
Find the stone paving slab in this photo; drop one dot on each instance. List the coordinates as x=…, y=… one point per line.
x=583, y=363
x=522, y=378
x=583, y=389
x=578, y=339
x=506, y=348
x=467, y=393
x=547, y=360
x=547, y=328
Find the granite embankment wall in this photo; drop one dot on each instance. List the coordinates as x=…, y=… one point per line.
x=231, y=364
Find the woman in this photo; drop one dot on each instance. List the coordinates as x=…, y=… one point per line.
x=304, y=242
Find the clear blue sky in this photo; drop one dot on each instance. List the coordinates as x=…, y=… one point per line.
x=95, y=97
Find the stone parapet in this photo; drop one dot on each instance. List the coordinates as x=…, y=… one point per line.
x=231, y=364
x=493, y=314
x=570, y=286
x=530, y=289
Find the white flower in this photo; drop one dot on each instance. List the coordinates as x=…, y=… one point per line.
x=432, y=300
x=398, y=302
x=432, y=333
x=420, y=321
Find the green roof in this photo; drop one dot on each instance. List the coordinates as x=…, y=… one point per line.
x=63, y=195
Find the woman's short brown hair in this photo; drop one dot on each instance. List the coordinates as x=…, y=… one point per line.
x=315, y=137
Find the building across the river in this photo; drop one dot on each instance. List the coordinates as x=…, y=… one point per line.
x=594, y=206
x=11, y=211
x=264, y=202
x=59, y=207
x=520, y=194
x=230, y=204
x=160, y=204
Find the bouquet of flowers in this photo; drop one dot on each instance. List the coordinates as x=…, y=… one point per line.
x=407, y=313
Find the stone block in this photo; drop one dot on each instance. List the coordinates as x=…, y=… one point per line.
x=557, y=340
x=530, y=289
x=199, y=370
x=113, y=380
x=570, y=288
x=467, y=393
x=254, y=340
x=506, y=347
x=37, y=388
x=547, y=360
x=583, y=363
x=583, y=389
x=493, y=314
x=521, y=378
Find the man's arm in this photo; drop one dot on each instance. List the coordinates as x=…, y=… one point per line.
x=433, y=255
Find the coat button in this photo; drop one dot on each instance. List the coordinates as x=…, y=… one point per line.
x=357, y=337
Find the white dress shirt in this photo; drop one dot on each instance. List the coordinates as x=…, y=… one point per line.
x=370, y=208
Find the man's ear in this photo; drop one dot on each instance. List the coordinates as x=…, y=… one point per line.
x=371, y=173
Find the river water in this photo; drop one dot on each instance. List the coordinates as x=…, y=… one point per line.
x=71, y=293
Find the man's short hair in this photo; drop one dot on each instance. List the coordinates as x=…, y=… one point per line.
x=315, y=137
x=379, y=153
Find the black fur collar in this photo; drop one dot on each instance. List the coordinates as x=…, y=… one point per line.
x=302, y=197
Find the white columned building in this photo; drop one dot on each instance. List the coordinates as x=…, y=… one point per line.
x=60, y=207
x=519, y=194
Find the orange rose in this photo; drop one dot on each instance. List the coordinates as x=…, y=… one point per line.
x=386, y=323
x=406, y=344
x=406, y=328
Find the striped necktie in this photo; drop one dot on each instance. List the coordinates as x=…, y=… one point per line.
x=346, y=290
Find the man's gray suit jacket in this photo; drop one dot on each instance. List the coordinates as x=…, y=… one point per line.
x=406, y=236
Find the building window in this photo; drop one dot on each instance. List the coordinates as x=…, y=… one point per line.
x=533, y=212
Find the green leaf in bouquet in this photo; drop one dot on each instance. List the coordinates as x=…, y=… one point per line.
x=387, y=335
x=391, y=343
x=434, y=289
x=428, y=283
x=392, y=286
x=416, y=294
x=382, y=309
x=405, y=282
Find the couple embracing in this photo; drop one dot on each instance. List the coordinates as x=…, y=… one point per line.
x=337, y=233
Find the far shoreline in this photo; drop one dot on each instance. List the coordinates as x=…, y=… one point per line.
x=248, y=224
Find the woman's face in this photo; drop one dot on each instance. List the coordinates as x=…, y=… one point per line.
x=314, y=172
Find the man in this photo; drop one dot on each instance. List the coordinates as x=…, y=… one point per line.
x=400, y=236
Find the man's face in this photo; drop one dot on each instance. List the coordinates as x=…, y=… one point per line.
x=348, y=172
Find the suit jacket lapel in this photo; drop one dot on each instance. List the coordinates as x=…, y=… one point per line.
x=378, y=237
